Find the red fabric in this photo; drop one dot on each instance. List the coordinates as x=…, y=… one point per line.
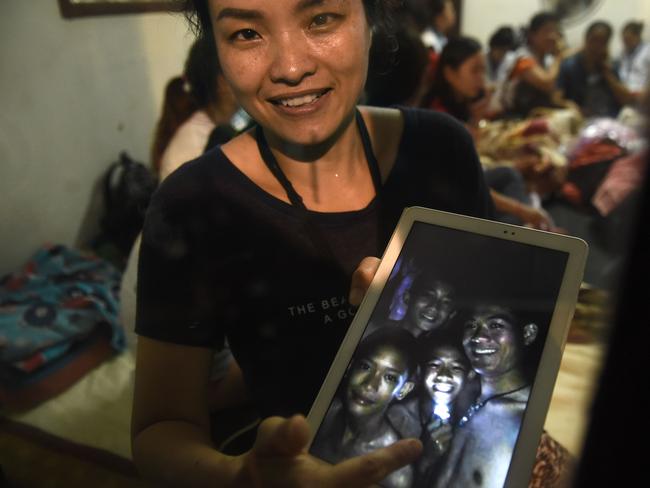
x=595, y=152
x=437, y=105
x=60, y=375
x=522, y=64
x=625, y=175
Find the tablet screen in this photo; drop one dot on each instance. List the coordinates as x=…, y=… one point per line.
x=449, y=355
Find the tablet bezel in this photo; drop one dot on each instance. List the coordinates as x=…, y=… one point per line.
x=523, y=457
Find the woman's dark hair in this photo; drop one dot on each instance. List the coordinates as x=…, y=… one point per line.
x=453, y=55
x=540, y=20
x=396, y=81
x=504, y=37
x=635, y=28
x=186, y=94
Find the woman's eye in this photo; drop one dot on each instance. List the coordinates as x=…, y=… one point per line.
x=245, y=35
x=322, y=20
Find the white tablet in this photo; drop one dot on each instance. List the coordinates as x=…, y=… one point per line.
x=457, y=342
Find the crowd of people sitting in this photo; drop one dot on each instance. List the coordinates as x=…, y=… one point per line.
x=524, y=71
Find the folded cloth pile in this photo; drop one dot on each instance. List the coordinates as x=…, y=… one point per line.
x=58, y=319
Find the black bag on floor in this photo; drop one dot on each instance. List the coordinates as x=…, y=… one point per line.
x=128, y=186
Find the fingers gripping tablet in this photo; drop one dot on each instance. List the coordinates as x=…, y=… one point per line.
x=457, y=343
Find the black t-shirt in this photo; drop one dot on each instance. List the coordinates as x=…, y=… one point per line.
x=220, y=257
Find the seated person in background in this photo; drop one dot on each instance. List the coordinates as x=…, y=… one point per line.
x=528, y=77
x=634, y=63
x=195, y=104
x=587, y=78
x=435, y=20
x=440, y=18
x=496, y=340
x=459, y=86
x=502, y=41
x=356, y=423
x=459, y=89
x=445, y=372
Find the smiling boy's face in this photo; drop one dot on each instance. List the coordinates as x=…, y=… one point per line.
x=430, y=307
x=375, y=380
x=445, y=373
x=491, y=340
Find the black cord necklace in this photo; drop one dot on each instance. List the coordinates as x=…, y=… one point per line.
x=313, y=230
x=478, y=405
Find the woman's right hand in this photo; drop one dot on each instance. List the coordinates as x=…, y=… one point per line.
x=279, y=458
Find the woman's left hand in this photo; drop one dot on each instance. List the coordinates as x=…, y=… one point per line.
x=361, y=279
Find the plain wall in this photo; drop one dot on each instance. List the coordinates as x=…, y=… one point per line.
x=75, y=92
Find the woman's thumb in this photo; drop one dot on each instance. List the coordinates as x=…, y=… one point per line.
x=278, y=436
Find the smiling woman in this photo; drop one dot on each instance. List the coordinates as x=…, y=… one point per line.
x=260, y=240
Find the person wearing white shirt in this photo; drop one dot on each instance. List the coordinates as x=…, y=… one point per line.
x=443, y=18
x=634, y=64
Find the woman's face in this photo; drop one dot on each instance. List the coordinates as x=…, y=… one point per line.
x=468, y=80
x=445, y=373
x=297, y=67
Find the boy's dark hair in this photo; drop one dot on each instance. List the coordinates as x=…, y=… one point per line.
x=425, y=279
x=451, y=337
x=399, y=338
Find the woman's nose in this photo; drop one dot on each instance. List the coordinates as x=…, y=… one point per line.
x=291, y=60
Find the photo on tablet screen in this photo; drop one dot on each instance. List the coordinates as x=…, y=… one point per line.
x=448, y=356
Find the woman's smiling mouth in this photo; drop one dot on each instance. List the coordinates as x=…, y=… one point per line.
x=299, y=100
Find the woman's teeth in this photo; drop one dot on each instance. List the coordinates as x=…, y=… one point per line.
x=298, y=101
